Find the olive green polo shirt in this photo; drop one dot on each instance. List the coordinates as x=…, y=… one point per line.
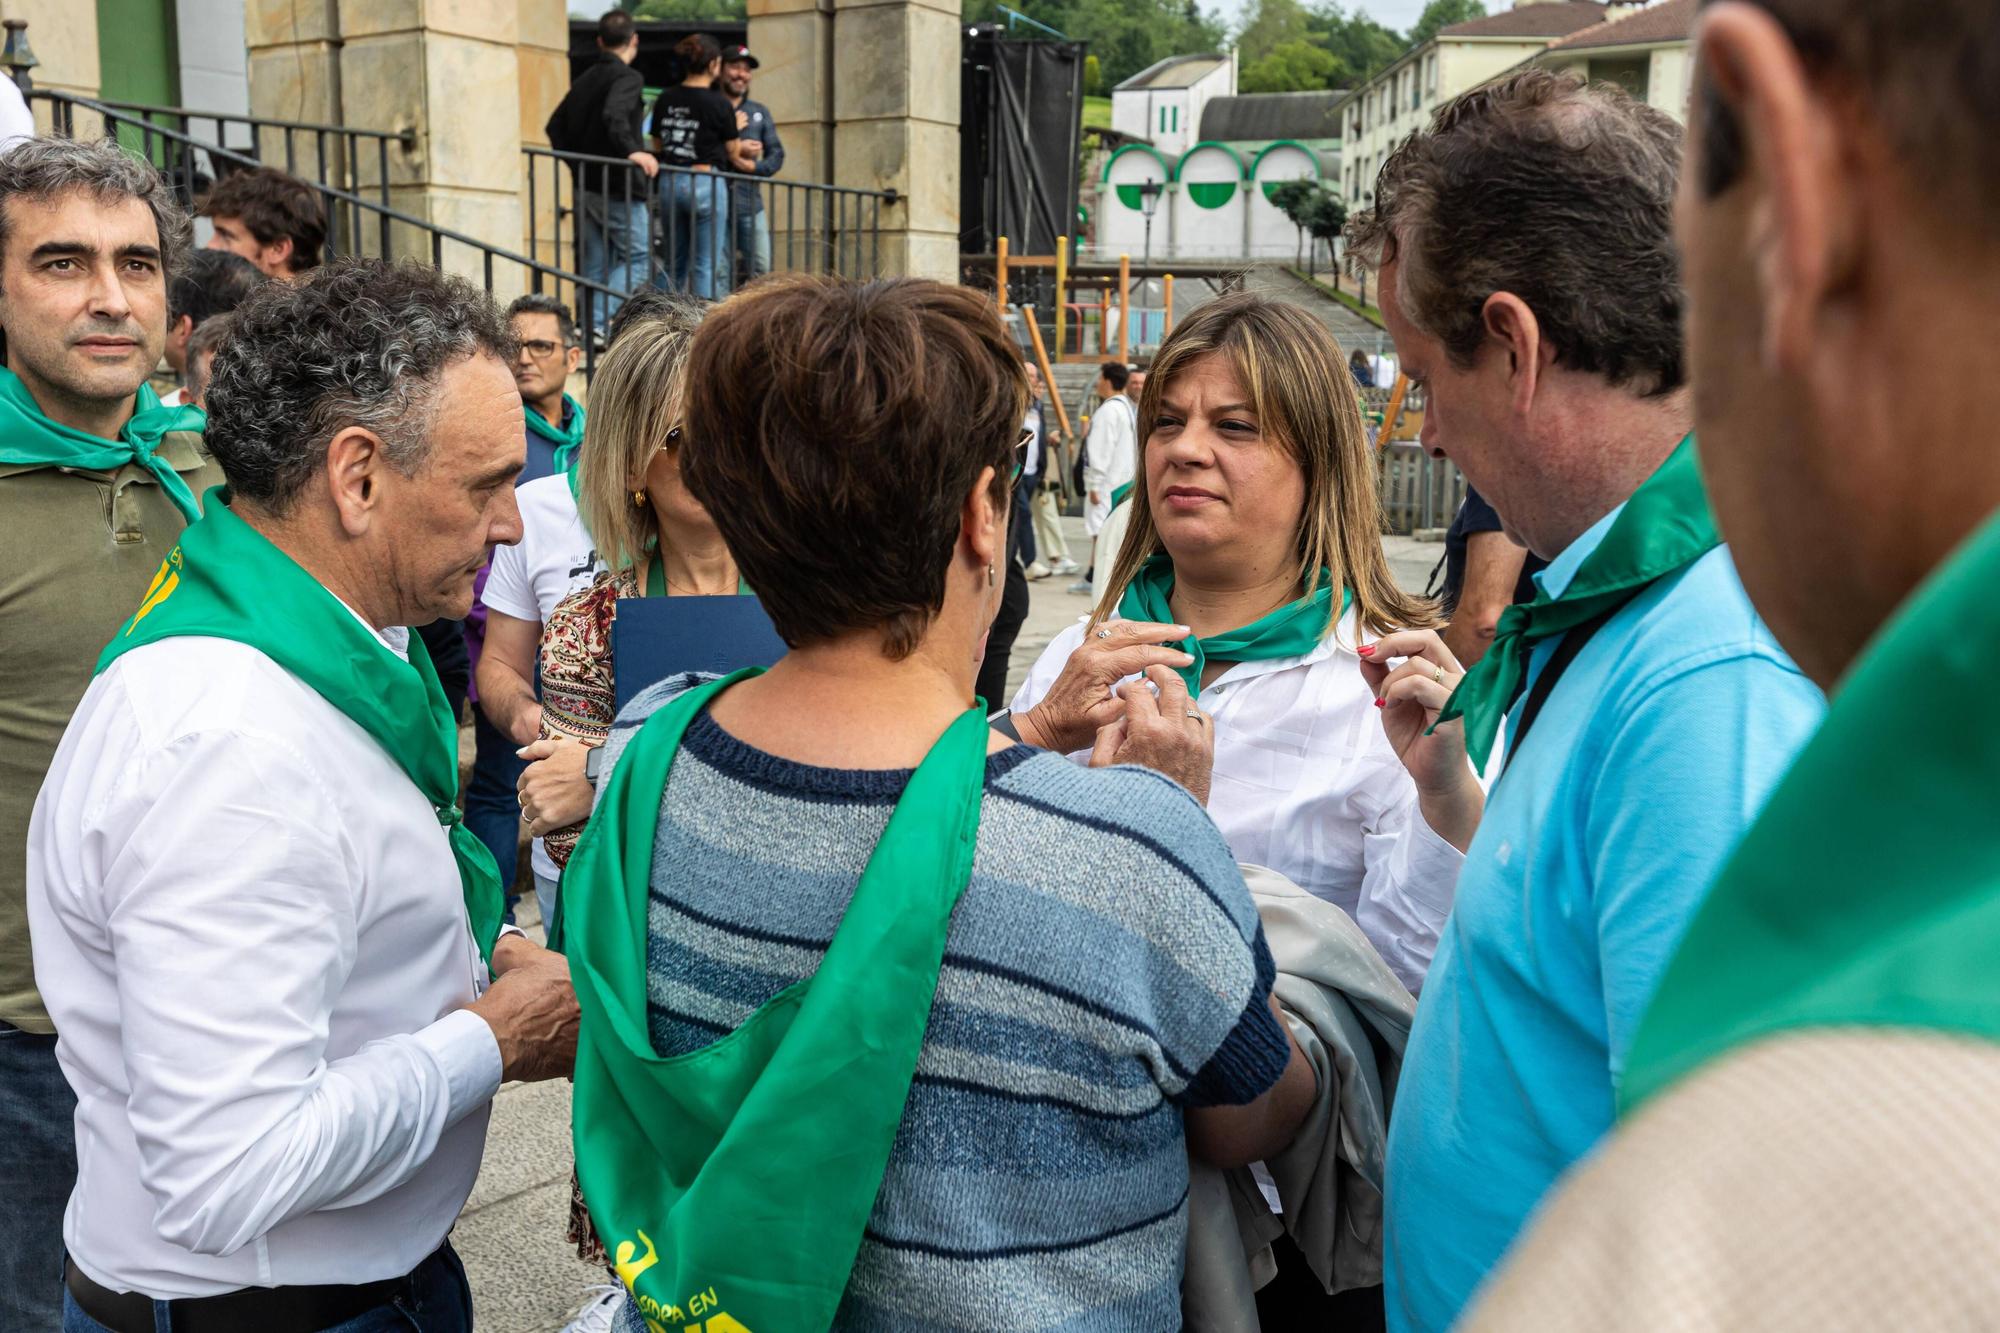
x=77, y=550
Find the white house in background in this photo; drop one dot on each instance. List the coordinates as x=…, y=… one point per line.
x=1649, y=53
x=1387, y=109
x=1162, y=103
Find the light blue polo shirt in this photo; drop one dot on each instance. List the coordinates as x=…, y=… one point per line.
x=1649, y=760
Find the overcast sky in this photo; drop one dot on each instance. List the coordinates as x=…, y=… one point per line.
x=1397, y=14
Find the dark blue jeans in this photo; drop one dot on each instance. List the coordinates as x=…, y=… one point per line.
x=492, y=802
x=37, y=1172
x=439, y=1300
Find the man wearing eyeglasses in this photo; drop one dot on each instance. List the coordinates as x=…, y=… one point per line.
x=504, y=628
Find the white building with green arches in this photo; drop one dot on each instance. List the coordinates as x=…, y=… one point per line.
x=1211, y=198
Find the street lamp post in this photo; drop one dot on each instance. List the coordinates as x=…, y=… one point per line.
x=1149, y=203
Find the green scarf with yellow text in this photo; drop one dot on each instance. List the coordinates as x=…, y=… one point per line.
x=225, y=580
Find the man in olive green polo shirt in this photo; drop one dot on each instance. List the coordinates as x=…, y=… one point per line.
x=96, y=482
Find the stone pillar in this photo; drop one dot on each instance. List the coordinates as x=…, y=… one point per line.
x=63, y=36
x=543, y=55
x=865, y=93
x=445, y=70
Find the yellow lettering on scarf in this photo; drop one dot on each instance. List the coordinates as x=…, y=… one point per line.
x=164, y=582
x=627, y=1266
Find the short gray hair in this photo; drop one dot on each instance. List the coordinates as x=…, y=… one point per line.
x=45, y=168
x=206, y=340
x=360, y=342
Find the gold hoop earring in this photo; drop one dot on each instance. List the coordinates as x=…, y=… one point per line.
x=638, y=499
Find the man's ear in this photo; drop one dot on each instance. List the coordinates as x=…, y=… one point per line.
x=1516, y=334
x=355, y=462
x=280, y=252
x=1803, y=224
x=572, y=359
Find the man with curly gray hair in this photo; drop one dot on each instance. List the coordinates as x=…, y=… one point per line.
x=274, y=951
x=96, y=482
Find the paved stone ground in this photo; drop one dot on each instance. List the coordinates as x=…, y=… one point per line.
x=525, y=1278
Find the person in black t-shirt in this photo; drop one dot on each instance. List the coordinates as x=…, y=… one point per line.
x=695, y=131
x=1485, y=572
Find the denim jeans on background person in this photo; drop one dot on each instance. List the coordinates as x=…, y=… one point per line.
x=616, y=249
x=493, y=799
x=752, y=230
x=37, y=1172
x=439, y=1300
x=698, y=235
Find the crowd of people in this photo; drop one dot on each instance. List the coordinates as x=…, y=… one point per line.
x=1287, y=952
x=701, y=149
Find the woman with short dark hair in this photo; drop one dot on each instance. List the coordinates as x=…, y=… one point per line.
x=888, y=1018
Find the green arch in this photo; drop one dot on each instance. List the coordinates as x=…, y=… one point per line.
x=1212, y=194
x=1128, y=195
x=1319, y=172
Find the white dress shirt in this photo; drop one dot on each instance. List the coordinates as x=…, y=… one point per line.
x=1110, y=456
x=1306, y=784
x=250, y=933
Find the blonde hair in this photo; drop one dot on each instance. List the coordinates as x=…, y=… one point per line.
x=638, y=401
x=1297, y=379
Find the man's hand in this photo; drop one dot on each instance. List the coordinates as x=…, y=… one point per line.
x=554, y=791
x=752, y=148
x=1096, y=499
x=1163, y=732
x=646, y=162
x=742, y=120
x=531, y=1008
x=1411, y=696
x=1081, y=700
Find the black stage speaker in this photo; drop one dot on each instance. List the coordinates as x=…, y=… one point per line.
x=1021, y=114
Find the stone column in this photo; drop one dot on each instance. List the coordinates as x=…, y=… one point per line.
x=445, y=70
x=63, y=36
x=865, y=93
x=543, y=55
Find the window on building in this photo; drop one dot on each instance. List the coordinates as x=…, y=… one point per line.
x=1431, y=73
x=1177, y=119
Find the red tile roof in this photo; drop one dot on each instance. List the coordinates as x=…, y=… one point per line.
x=1665, y=21
x=1557, y=19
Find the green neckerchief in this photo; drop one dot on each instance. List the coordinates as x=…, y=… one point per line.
x=1868, y=891
x=1664, y=527
x=225, y=580
x=27, y=436
x=1118, y=496
x=656, y=578
x=1290, y=631
x=565, y=441
x=731, y=1184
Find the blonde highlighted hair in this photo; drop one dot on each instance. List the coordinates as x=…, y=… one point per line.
x=1295, y=375
x=638, y=402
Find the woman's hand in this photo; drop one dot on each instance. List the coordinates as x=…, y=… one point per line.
x=1081, y=700
x=553, y=789
x=1411, y=696
x=1162, y=730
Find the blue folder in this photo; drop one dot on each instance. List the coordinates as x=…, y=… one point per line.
x=657, y=637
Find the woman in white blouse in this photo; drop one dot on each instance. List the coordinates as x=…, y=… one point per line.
x=1253, y=565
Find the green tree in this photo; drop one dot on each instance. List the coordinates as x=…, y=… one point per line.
x=1269, y=25
x=1295, y=66
x=1093, y=76
x=1125, y=35
x=1442, y=14
x=1294, y=199
x=690, y=11
x=1359, y=45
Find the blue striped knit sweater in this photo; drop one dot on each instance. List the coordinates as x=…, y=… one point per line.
x=1103, y=970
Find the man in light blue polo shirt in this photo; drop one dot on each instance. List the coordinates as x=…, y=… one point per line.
x=1529, y=280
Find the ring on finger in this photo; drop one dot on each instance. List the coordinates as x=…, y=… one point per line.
x=1440, y=675
x=1104, y=634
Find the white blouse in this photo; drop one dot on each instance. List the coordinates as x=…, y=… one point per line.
x=1306, y=784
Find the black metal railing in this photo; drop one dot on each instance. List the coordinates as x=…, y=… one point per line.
x=356, y=225
x=603, y=216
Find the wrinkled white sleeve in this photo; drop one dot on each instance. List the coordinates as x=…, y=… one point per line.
x=1409, y=879
x=1097, y=449
x=228, y=887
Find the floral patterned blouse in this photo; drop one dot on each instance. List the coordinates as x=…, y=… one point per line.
x=578, y=698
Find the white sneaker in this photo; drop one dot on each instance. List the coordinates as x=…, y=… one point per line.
x=1065, y=566
x=1081, y=587
x=1038, y=571
x=600, y=1311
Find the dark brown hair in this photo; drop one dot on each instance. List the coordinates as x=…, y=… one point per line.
x=273, y=206
x=834, y=431
x=695, y=53
x=1555, y=190
x=1928, y=72
x=615, y=29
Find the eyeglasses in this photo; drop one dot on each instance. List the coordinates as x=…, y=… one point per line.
x=541, y=348
x=1021, y=452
